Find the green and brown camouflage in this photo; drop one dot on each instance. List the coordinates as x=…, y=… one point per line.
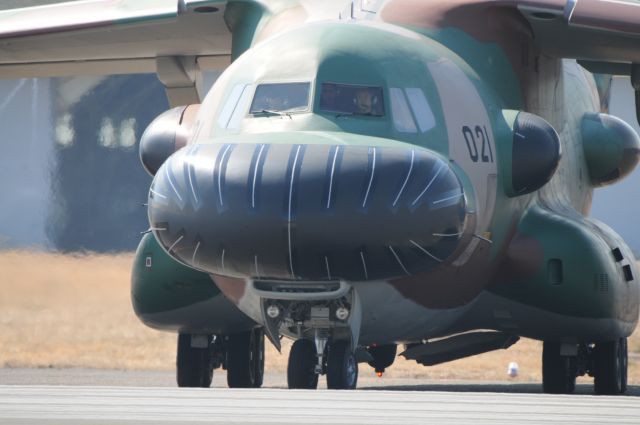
x=426, y=166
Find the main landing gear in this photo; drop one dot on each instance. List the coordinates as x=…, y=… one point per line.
x=195, y=361
x=336, y=359
x=605, y=361
x=245, y=359
x=242, y=354
x=610, y=361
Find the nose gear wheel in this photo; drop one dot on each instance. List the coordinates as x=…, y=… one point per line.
x=301, y=371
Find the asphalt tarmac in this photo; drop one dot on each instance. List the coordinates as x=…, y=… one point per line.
x=80, y=396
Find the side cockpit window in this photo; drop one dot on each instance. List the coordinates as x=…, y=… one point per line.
x=343, y=99
x=281, y=97
x=402, y=118
x=235, y=107
x=421, y=109
x=411, y=110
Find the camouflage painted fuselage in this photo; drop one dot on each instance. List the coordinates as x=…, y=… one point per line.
x=423, y=215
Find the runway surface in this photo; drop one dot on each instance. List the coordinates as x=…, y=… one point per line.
x=379, y=402
x=121, y=405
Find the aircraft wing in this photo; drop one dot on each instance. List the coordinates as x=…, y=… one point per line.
x=603, y=34
x=175, y=38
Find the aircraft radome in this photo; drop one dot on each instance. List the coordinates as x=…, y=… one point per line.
x=371, y=173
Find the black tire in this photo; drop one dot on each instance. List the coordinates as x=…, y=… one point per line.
x=610, y=367
x=245, y=359
x=194, y=366
x=558, y=372
x=342, y=367
x=625, y=364
x=258, y=357
x=301, y=373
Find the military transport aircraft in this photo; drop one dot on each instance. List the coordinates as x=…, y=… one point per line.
x=370, y=173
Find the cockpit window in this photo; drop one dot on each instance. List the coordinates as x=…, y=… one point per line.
x=417, y=108
x=280, y=97
x=235, y=107
x=351, y=100
x=402, y=118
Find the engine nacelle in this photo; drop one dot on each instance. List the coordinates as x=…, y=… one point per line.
x=534, y=152
x=166, y=134
x=611, y=148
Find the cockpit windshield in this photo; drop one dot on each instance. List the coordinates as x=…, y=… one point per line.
x=345, y=99
x=280, y=97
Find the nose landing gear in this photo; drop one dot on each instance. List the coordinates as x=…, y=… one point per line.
x=301, y=371
x=342, y=367
x=336, y=359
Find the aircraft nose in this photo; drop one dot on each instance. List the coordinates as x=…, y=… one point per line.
x=307, y=212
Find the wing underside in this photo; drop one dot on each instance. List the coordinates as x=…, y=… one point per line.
x=178, y=38
x=175, y=38
x=603, y=34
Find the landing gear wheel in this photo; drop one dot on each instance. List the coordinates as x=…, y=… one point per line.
x=245, y=359
x=194, y=366
x=258, y=355
x=610, y=367
x=342, y=367
x=558, y=372
x=301, y=370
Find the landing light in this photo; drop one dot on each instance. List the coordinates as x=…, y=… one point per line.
x=273, y=311
x=342, y=313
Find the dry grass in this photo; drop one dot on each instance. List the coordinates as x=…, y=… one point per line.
x=74, y=311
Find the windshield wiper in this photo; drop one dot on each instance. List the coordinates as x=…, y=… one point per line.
x=272, y=112
x=344, y=114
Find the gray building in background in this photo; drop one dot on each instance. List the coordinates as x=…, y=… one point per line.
x=69, y=174
x=25, y=154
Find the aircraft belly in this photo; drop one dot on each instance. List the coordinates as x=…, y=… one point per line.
x=491, y=311
x=214, y=316
x=388, y=316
